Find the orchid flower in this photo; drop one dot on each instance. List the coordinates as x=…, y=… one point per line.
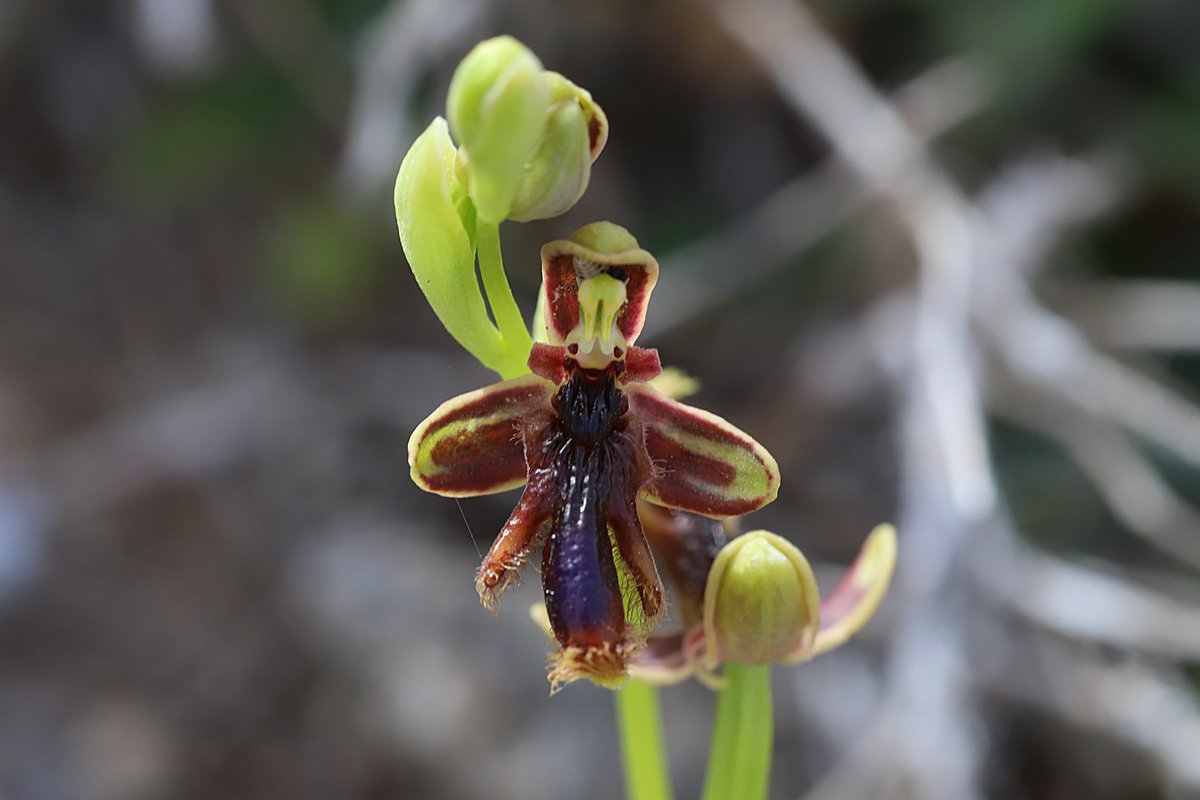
x=588, y=437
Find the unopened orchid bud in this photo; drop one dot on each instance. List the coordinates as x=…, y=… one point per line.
x=498, y=101
x=761, y=604
x=558, y=173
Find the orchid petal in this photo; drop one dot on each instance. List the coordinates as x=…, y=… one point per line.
x=470, y=444
x=636, y=558
x=671, y=659
x=854, y=601
x=548, y=361
x=641, y=365
x=701, y=463
x=525, y=526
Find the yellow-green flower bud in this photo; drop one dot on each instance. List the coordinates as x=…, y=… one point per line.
x=761, y=604
x=498, y=101
x=557, y=175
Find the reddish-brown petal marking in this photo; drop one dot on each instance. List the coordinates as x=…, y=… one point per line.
x=597, y=135
x=853, y=602
x=638, y=287
x=698, y=467
x=562, y=294
x=701, y=463
x=470, y=444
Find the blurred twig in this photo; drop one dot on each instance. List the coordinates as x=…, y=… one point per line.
x=697, y=278
x=1045, y=349
x=1081, y=602
x=265, y=400
x=1130, y=487
x=1136, y=314
x=1149, y=707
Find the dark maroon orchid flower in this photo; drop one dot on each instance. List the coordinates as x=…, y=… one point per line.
x=588, y=437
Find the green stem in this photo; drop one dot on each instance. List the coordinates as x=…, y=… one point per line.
x=739, y=760
x=638, y=718
x=500, y=298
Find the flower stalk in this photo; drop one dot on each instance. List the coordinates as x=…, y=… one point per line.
x=739, y=760
x=642, y=750
x=509, y=321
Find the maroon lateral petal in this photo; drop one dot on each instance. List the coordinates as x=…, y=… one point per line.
x=641, y=364
x=548, y=361
x=685, y=545
x=631, y=543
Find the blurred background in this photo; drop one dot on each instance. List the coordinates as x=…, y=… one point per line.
x=940, y=258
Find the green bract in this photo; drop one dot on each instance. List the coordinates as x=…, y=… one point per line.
x=497, y=105
x=437, y=224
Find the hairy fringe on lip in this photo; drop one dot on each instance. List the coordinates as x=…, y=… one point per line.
x=605, y=664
